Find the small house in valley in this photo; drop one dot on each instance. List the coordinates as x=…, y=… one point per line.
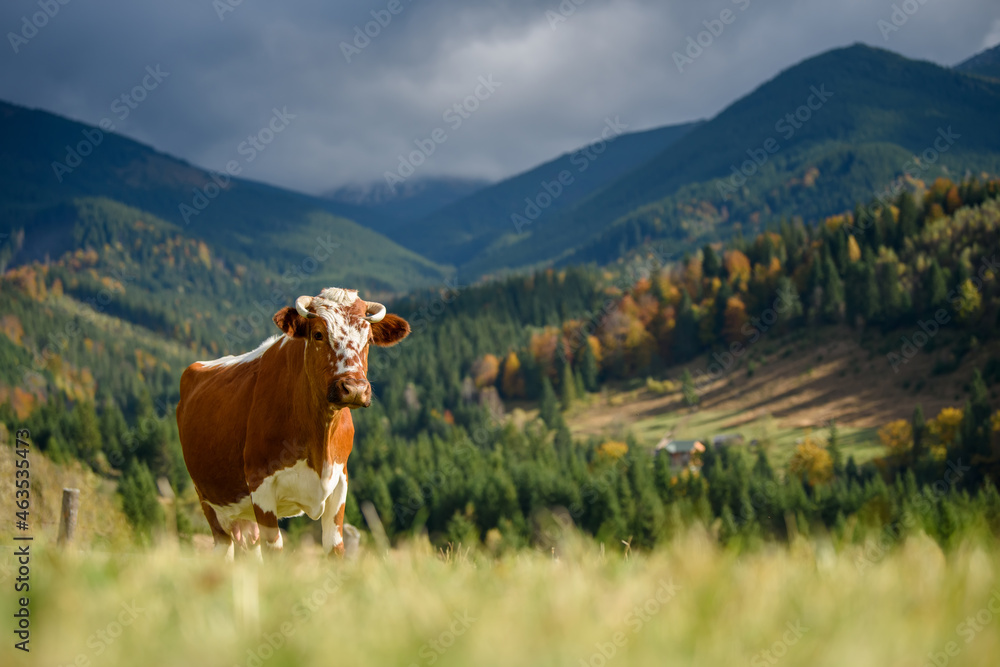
x=682, y=453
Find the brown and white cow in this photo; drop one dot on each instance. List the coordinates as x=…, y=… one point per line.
x=266, y=434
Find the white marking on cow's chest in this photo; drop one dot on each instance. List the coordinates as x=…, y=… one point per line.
x=297, y=489
x=288, y=492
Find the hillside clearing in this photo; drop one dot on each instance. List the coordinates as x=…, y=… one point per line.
x=799, y=383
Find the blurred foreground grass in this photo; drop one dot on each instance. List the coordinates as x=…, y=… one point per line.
x=687, y=603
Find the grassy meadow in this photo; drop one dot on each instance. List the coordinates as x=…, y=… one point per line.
x=813, y=603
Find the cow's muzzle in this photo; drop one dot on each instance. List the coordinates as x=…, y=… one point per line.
x=350, y=393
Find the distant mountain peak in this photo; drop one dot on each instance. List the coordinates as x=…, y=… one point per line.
x=985, y=63
x=407, y=201
x=379, y=192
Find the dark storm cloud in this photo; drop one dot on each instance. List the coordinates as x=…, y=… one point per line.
x=561, y=73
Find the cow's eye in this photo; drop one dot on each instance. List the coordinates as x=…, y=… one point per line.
x=318, y=335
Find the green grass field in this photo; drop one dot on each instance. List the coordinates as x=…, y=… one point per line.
x=688, y=603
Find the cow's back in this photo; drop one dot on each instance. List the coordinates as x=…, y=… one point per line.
x=212, y=423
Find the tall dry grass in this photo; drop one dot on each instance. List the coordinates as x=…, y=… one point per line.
x=100, y=522
x=688, y=603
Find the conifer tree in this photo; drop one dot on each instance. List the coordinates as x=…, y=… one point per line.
x=919, y=428
x=567, y=387
x=687, y=387
x=871, y=304
x=833, y=293
x=891, y=293
x=975, y=428
x=833, y=447
x=686, y=332
x=762, y=467
x=936, y=287
x=87, y=436
x=887, y=227
x=790, y=303
x=139, y=501
x=548, y=405
x=587, y=363
x=711, y=265
x=908, y=216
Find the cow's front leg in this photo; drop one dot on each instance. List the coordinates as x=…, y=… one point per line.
x=264, y=506
x=333, y=517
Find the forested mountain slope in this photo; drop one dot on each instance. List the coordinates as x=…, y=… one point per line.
x=47, y=163
x=835, y=129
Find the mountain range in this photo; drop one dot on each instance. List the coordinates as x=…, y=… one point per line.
x=49, y=164
x=833, y=130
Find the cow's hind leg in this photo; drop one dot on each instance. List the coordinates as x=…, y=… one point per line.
x=223, y=542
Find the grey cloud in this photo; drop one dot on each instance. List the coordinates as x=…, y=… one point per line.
x=610, y=57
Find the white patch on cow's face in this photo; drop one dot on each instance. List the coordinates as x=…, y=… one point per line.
x=346, y=335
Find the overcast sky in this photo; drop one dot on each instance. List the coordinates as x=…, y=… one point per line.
x=558, y=79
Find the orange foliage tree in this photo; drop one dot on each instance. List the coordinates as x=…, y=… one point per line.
x=738, y=267
x=513, y=379
x=945, y=427
x=485, y=371
x=812, y=462
x=735, y=316
x=897, y=436
x=612, y=449
x=543, y=348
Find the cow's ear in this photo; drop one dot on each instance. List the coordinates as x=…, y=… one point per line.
x=289, y=321
x=390, y=330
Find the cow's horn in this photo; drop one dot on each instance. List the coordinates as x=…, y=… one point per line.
x=302, y=306
x=375, y=312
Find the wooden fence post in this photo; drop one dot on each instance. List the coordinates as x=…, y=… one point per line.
x=67, y=521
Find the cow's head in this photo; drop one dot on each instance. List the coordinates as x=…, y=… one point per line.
x=338, y=327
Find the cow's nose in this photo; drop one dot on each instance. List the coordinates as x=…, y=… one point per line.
x=351, y=392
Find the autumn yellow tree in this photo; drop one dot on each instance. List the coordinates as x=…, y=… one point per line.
x=897, y=436
x=612, y=450
x=853, y=250
x=485, y=371
x=543, y=348
x=513, y=380
x=970, y=301
x=944, y=429
x=812, y=461
x=952, y=200
x=735, y=316
x=738, y=267
x=691, y=278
